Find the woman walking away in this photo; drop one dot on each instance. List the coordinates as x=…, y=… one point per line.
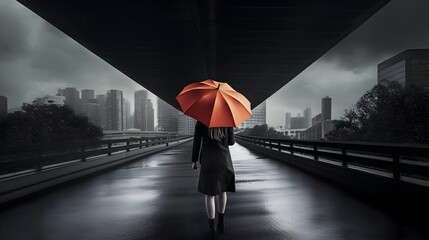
x=217, y=173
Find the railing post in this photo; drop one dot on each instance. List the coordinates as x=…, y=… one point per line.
x=291, y=148
x=83, y=153
x=396, y=169
x=166, y=141
x=128, y=145
x=343, y=157
x=315, y=154
x=109, y=151
x=269, y=142
x=39, y=160
x=280, y=146
x=141, y=142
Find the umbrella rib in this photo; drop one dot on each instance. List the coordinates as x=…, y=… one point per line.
x=238, y=100
x=229, y=108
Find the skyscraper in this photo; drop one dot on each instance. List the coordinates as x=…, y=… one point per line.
x=102, y=101
x=307, y=117
x=150, y=115
x=126, y=108
x=72, y=98
x=85, y=94
x=259, y=116
x=167, y=117
x=326, y=108
x=186, y=124
x=407, y=68
x=3, y=105
x=92, y=111
x=143, y=111
x=288, y=120
x=114, y=110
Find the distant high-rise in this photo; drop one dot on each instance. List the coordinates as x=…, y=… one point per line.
x=410, y=67
x=167, y=117
x=126, y=108
x=307, y=116
x=114, y=110
x=102, y=101
x=186, y=124
x=288, y=120
x=259, y=116
x=150, y=115
x=326, y=108
x=85, y=95
x=298, y=122
x=72, y=98
x=3, y=105
x=92, y=111
x=143, y=111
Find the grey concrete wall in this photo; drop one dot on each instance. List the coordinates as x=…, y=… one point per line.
x=23, y=185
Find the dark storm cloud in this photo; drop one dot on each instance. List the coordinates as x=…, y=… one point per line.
x=36, y=59
x=13, y=30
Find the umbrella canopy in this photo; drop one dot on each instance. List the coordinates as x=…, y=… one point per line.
x=216, y=104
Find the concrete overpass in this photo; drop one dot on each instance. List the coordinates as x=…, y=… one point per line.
x=255, y=46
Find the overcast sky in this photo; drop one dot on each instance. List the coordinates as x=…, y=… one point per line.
x=36, y=59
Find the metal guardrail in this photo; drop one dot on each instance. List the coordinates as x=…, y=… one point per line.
x=36, y=157
x=394, y=160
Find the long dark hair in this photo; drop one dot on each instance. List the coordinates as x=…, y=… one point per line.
x=217, y=133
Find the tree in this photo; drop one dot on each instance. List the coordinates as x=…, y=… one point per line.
x=45, y=124
x=386, y=113
x=263, y=131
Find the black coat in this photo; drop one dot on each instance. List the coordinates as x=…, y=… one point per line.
x=217, y=173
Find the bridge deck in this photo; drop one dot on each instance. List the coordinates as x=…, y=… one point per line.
x=156, y=198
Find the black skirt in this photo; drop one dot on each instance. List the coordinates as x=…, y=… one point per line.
x=217, y=172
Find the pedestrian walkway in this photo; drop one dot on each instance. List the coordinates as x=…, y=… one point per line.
x=156, y=198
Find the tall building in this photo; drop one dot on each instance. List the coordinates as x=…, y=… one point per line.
x=150, y=115
x=326, y=108
x=186, y=124
x=298, y=122
x=114, y=110
x=143, y=111
x=167, y=117
x=287, y=120
x=410, y=67
x=72, y=98
x=307, y=116
x=259, y=116
x=57, y=100
x=126, y=113
x=3, y=105
x=92, y=111
x=102, y=101
x=85, y=95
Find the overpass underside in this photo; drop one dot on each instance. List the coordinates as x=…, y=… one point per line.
x=255, y=46
x=156, y=198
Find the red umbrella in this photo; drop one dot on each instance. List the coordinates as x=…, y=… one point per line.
x=216, y=104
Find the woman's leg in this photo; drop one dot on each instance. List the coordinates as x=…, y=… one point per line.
x=222, y=202
x=222, y=207
x=210, y=206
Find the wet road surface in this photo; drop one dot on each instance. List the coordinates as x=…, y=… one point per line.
x=156, y=198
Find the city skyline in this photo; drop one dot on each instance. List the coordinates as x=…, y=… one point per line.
x=37, y=59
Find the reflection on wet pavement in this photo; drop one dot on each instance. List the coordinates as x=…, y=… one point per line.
x=156, y=198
